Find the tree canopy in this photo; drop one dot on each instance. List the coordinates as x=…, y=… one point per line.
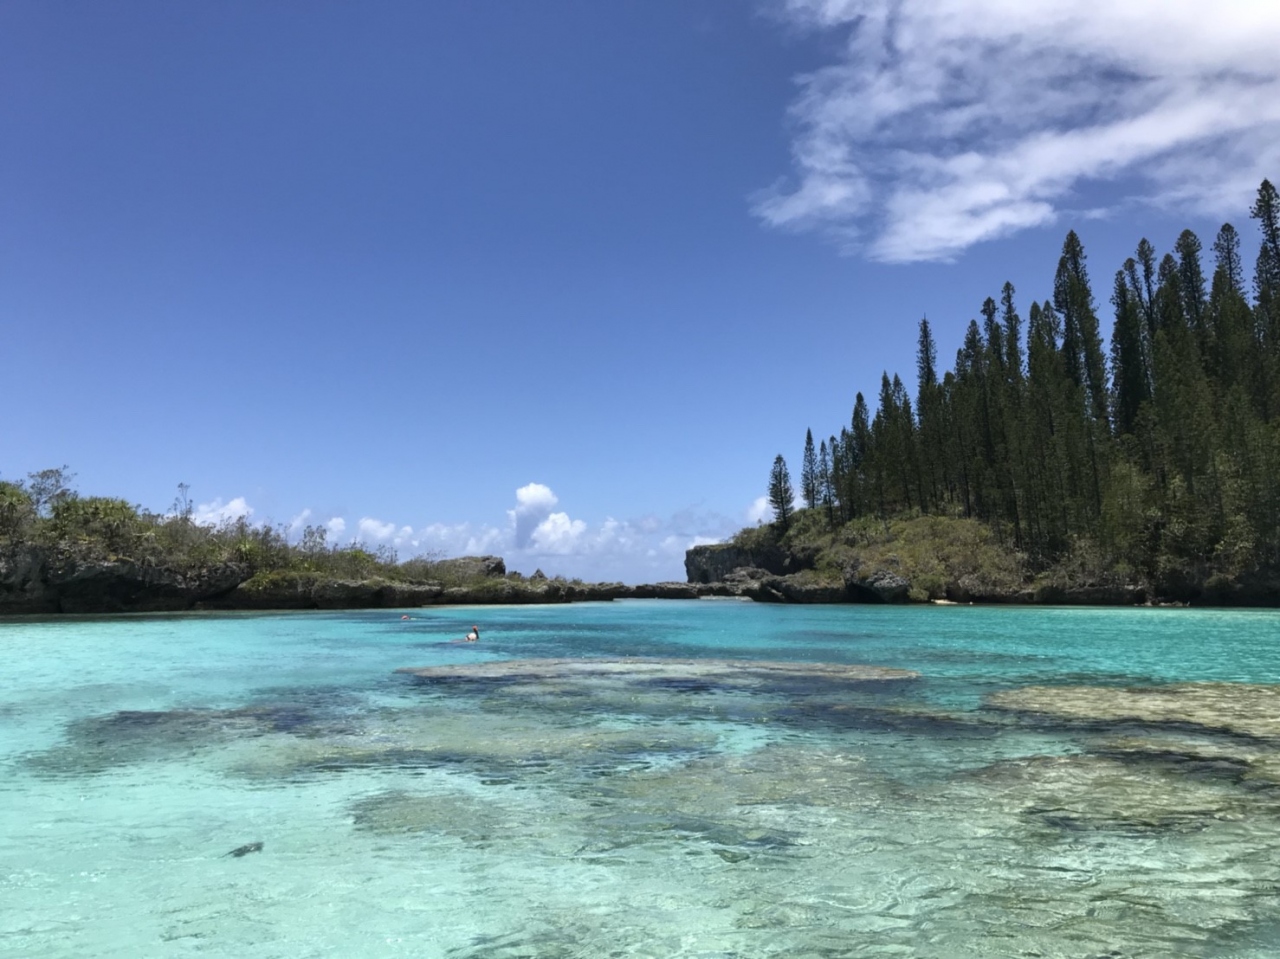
x=1160, y=455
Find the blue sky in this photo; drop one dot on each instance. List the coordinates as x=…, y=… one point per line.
x=558, y=280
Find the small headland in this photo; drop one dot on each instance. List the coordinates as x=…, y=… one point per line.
x=61, y=552
x=940, y=559
x=44, y=582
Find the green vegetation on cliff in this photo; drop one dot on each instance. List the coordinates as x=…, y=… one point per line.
x=1155, y=463
x=935, y=554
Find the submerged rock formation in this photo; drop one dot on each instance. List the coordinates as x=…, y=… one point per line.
x=1237, y=709
x=736, y=674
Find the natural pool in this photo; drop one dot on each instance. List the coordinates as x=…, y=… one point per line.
x=702, y=809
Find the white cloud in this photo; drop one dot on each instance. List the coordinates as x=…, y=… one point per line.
x=557, y=534
x=375, y=531
x=534, y=503
x=535, y=496
x=211, y=514
x=298, y=522
x=646, y=549
x=949, y=122
x=759, y=510
x=462, y=539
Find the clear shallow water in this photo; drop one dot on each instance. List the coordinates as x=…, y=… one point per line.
x=583, y=819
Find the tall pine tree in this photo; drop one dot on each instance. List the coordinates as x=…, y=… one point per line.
x=781, y=495
x=809, y=472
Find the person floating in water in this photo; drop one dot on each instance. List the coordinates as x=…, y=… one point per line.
x=474, y=634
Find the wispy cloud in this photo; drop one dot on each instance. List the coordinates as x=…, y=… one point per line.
x=299, y=522
x=946, y=123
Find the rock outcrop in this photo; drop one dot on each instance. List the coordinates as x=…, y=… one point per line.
x=711, y=564
x=878, y=586
x=470, y=567
x=34, y=581
x=775, y=574
x=306, y=591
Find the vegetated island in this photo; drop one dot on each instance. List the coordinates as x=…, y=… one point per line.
x=61, y=552
x=1055, y=472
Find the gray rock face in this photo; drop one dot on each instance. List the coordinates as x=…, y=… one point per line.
x=470, y=567
x=36, y=582
x=880, y=586
x=22, y=587
x=307, y=592
x=712, y=564
x=665, y=591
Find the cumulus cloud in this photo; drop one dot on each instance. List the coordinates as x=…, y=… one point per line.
x=645, y=548
x=946, y=123
x=375, y=532
x=537, y=535
x=211, y=514
x=534, y=503
x=557, y=534
x=462, y=539
x=759, y=510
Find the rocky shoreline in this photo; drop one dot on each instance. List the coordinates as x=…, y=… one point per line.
x=38, y=583
x=34, y=582
x=790, y=575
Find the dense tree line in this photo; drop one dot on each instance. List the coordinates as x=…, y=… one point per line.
x=1159, y=456
x=44, y=513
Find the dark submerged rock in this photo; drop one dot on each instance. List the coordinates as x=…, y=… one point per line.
x=1245, y=710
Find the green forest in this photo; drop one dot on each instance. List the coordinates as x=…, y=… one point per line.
x=1154, y=459
x=43, y=513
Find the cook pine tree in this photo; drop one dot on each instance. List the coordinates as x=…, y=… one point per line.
x=781, y=495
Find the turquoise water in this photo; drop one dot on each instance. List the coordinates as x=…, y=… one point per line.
x=489, y=818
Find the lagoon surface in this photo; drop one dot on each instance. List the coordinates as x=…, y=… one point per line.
x=704, y=813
